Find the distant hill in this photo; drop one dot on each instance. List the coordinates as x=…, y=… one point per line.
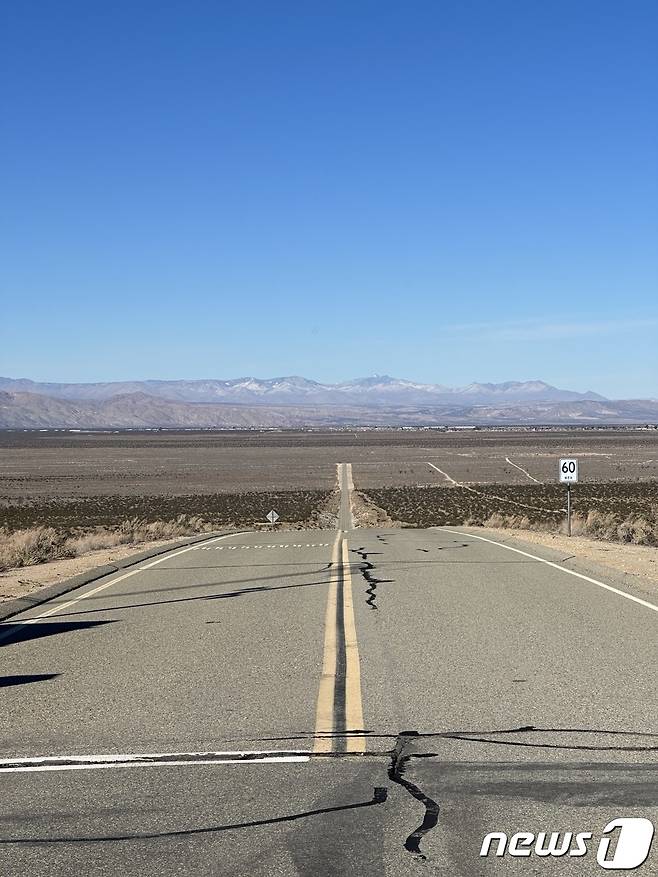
x=21, y=410
x=294, y=390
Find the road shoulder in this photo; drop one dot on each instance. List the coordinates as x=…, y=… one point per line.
x=29, y=586
x=630, y=567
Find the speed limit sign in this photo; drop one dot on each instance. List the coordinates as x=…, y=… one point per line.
x=569, y=471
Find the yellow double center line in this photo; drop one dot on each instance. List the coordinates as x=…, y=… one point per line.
x=339, y=713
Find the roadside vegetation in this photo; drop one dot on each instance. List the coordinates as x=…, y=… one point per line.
x=225, y=509
x=617, y=513
x=635, y=530
x=40, y=544
x=77, y=527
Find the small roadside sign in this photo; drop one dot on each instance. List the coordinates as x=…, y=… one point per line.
x=569, y=471
x=272, y=517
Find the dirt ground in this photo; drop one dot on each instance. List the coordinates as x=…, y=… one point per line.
x=513, y=459
x=35, y=466
x=425, y=477
x=366, y=514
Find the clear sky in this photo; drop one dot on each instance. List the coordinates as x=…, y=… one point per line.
x=443, y=191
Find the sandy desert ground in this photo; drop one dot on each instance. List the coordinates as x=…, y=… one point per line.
x=74, y=481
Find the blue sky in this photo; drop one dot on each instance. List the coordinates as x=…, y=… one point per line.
x=441, y=191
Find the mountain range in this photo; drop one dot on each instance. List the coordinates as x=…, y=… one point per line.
x=290, y=402
x=295, y=390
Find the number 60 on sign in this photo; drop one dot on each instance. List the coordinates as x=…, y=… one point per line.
x=569, y=471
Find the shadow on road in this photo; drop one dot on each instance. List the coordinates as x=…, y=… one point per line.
x=6, y=681
x=379, y=797
x=22, y=631
x=225, y=596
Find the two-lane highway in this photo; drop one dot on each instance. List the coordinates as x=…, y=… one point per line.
x=338, y=702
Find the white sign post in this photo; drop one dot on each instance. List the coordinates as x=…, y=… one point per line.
x=568, y=472
x=272, y=517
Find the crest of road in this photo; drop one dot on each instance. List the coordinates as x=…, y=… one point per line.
x=327, y=702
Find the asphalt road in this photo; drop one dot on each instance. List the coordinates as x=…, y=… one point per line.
x=369, y=702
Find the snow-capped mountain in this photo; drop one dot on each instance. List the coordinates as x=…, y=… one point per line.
x=295, y=390
x=520, y=391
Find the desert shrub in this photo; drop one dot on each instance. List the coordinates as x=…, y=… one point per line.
x=106, y=522
x=40, y=544
x=135, y=530
x=516, y=522
x=77, y=545
x=638, y=530
x=25, y=547
x=82, y=515
x=635, y=529
x=577, y=525
x=610, y=513
x=601, y=525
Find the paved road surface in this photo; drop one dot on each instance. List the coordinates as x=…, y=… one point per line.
x=325, y=703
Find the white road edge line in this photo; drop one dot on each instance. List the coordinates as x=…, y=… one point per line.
x=12, y=623
x=141, y=756
x=150, y=759
x=267, y=759
x=571, y=572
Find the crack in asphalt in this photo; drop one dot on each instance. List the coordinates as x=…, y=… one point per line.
x=396, y=774
x=472, y=737
x=366, y=568
x=399, y=760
